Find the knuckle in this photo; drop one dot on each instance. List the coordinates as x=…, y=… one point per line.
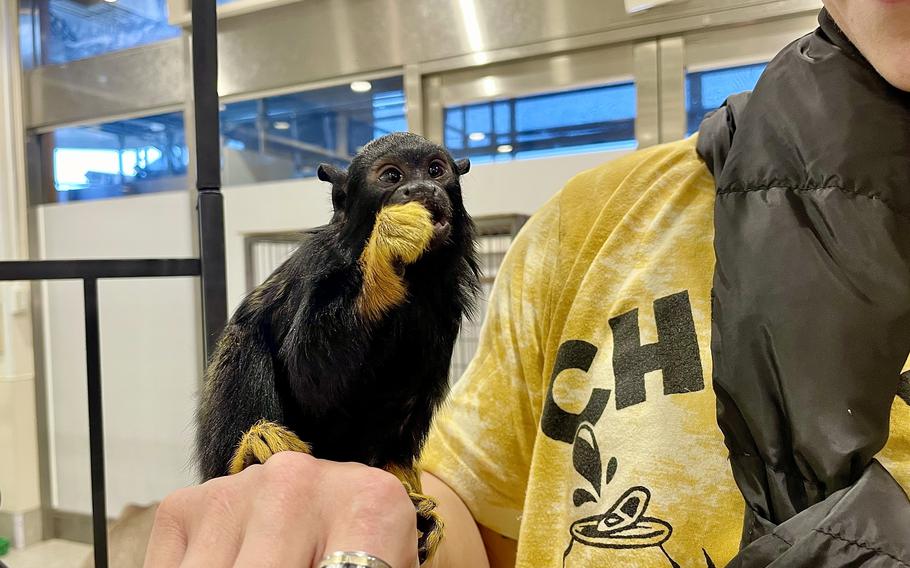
x=290, y=461
x=378, y=509
x=288, y=471
x=383, y=483
x=174, y=505
x=385, y=495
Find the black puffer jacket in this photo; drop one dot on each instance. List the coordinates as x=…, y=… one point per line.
x=811, y=317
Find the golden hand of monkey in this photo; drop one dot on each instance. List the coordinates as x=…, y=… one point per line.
x=401, y=234
x=261, y=442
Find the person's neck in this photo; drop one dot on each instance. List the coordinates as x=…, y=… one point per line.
x=834, y=34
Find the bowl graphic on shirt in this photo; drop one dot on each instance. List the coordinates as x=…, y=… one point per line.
x=623, y=525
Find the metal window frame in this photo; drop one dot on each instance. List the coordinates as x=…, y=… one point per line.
x=311, y=86
x=734, y=46
x=109, y=85
x=251, y=64
x=551, y=73
x=730, y=46
x=41, y=187
x=315, y=86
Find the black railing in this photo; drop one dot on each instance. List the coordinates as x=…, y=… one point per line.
x=90, y=271
x=210, y=265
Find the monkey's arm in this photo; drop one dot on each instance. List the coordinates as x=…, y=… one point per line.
x=239, y=392
x=400, y=236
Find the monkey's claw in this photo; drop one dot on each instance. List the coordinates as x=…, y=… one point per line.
x=429, y=525
x=261, y=442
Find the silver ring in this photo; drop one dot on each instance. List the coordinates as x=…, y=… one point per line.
x=355, y=559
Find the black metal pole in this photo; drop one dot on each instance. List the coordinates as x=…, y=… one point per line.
x=210, y=202
x=95, y=420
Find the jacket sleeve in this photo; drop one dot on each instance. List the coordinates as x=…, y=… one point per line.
x=811, y=327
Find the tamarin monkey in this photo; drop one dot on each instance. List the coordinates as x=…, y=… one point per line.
x=344, y=351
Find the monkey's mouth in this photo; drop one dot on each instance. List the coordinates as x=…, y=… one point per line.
x=442, y=228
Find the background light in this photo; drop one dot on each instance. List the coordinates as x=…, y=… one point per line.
x=281, y=125
x=361, y=86
x=504, y=148
x=477, y=136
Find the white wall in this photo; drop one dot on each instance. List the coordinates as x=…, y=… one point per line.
x=150, y=350
x=520, y=186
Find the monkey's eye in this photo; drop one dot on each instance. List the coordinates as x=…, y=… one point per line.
x=390, y=175
x=437, y=169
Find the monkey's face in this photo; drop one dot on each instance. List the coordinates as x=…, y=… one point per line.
x=397, y=169
x=428, y=179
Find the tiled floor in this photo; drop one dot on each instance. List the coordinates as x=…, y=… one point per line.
x=49, y=554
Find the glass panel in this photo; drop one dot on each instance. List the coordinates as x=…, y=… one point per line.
x=57, y=31
x=583, y=120
x=288, y=136
x=127, y=157
x=707, y=90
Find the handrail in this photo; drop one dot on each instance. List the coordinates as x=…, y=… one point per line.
x=90, y=271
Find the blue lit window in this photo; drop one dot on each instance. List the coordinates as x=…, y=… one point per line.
x=127, y=157
x=288, y=136
x=584, y=120
x=57, y=31
x=707, y=90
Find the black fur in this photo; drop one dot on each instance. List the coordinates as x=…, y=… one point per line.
x=297, y=352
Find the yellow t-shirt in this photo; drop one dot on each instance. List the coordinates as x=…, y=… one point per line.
x=585, y=426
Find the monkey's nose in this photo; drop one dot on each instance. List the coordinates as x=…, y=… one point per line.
x=415, y=193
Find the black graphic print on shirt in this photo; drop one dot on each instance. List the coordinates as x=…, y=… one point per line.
x=624, y=524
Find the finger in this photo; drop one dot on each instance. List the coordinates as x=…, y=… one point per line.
x=378, y=518
x=215, y=528
x=214, y=544
x=283, y=529
x=277, y=540
x=167, y=543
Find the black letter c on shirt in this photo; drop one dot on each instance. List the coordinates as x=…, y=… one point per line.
x=555, y=422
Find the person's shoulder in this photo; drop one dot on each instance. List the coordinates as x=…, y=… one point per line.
x=636, y=169
x=623, y=181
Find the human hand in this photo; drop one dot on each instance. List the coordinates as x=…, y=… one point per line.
x=289, y=512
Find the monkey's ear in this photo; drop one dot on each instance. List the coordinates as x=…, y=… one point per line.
x=338, y=178
x=328, y=172
x=463, y=166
